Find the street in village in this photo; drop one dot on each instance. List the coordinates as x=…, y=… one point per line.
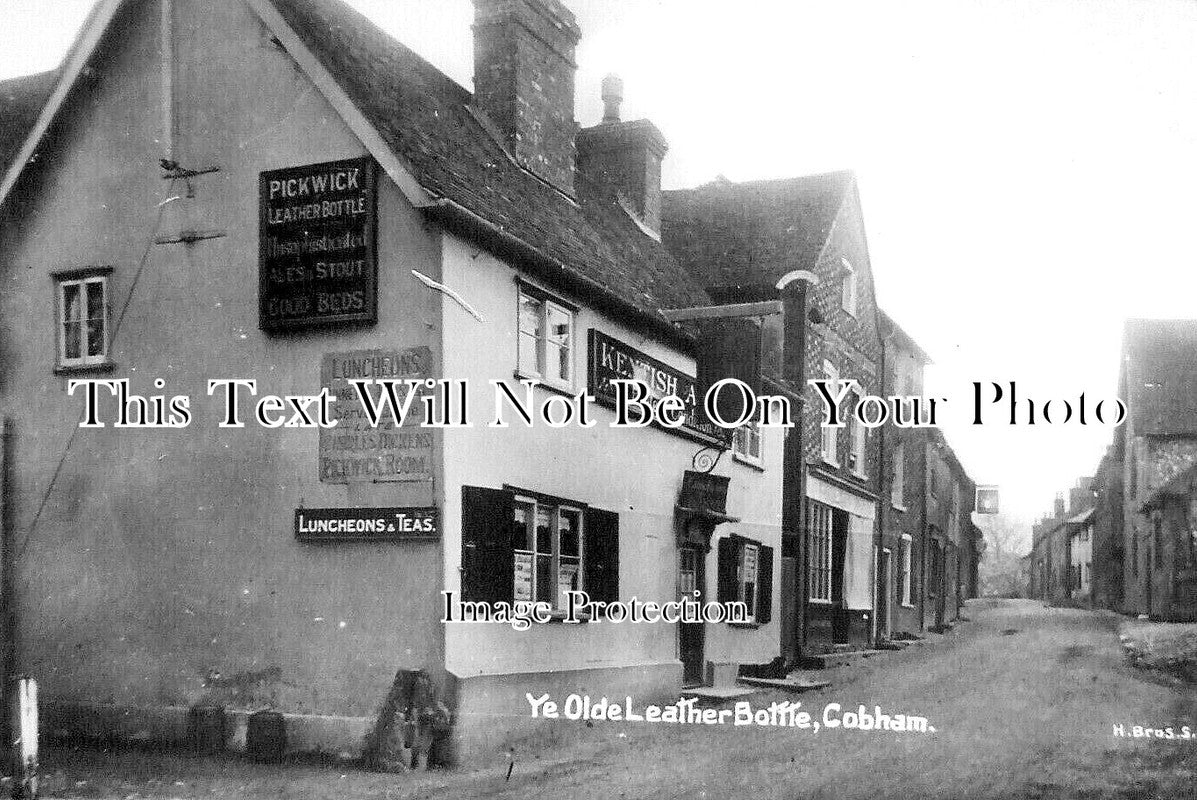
x=1024, y=700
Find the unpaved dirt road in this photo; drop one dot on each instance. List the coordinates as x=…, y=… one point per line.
x=1024, y=701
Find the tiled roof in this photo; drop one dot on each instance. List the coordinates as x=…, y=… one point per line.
x=21, y=100
x=752, y=233
x=1162, y=378
x=425, y=118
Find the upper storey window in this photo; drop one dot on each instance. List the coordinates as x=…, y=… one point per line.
x=546, y=339
x=849, y=292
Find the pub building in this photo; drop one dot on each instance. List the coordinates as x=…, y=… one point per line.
x=275, y=190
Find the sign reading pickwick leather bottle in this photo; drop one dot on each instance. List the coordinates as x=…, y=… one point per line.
x=317, y=261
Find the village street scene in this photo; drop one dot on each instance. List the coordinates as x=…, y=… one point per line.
x=558, y=398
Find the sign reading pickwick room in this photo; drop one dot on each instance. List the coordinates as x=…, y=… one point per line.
x=357, y=451
x=317, y=262
x=365, y=524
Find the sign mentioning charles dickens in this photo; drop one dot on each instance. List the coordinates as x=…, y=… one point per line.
x=611, y=359
x=317, y=261
x=357, y=451
x=365, y=524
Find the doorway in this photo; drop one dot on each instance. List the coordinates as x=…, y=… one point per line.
x=883, y=590
x=691, y=581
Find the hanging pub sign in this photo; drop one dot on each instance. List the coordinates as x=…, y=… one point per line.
x=611, y=359
x=355, y=450
x=317, y=262
x=702, y=491
x=365, y=524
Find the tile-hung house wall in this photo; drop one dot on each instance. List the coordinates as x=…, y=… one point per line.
x=902, y=506
x=739, y=239
x=189, y=575
x=1158, y=441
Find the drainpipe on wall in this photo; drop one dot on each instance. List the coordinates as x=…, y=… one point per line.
x=793, y=288
x=8, y=617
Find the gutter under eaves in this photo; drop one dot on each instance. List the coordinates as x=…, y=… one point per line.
x=459, y=219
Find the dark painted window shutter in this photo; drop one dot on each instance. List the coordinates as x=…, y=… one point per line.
x=487, y=559
x=729, y=348
x=764, y=567
x=729, y=558
x=601, y=555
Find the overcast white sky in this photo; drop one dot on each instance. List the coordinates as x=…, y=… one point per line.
x=1028, y=168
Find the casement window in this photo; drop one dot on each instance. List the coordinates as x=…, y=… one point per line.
x=830, y=435
x=818, y=544
x=81, y=300
x=848, y=295
x=904, y=569
x=523, y=546
x=897, y=495
x=746, y=575
x=858, y=436
x=746, y=443
x=545, y=340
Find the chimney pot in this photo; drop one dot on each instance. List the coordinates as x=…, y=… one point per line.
x=612, y=97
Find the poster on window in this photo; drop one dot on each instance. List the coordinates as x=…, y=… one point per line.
x=523, y=575
x=567, y=581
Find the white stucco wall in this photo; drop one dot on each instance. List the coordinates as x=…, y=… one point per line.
x=634, y=472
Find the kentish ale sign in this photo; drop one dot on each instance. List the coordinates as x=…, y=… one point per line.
x=611, y=359
x=317, y=260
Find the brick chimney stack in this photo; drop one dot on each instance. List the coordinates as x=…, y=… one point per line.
x=626, y=156
x=1059, y=506
x=524, y=81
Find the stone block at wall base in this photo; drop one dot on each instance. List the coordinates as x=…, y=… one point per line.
x=168, y=726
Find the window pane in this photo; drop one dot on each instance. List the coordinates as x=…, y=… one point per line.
x=544, y=530
x=557, y=362
x=72, y=313
x=544, y=578
x=95, y=318
x=528, y=360
x=569, y=533
x=519, y=530
x=530, y=316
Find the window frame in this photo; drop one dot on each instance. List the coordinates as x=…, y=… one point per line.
x=548, y=303
x=742, y=437
x=829, y=441
x=742, y=582
x=819, y=542
x=849, y=289
x=559, y=507
x=906, y=569
x=858, y=441
x=897, y=488
x=82, y=278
